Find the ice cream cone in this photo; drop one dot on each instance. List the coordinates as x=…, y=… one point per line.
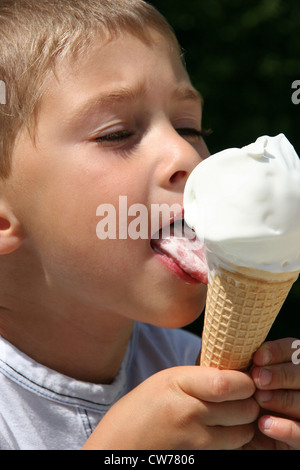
x=240, y=310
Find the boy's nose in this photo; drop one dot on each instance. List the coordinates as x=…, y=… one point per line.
x=177, y=158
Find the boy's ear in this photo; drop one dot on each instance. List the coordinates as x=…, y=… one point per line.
x=11, y=234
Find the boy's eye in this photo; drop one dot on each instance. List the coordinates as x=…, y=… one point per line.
x=191, y=132
x=121, y=136
x=114, y=137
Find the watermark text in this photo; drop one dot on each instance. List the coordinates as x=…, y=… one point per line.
x=296, y=354
x=296, y=94
x=137, y=221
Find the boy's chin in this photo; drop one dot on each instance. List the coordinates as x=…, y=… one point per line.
x=178, y=318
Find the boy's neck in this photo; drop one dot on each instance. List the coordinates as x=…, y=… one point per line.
x=55, y=331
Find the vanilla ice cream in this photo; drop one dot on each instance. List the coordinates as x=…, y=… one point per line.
x=244, y=205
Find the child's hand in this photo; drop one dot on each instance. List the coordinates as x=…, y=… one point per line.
x=278, y=383
x=188, y=407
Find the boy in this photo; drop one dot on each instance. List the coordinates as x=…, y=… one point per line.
x=99, y=106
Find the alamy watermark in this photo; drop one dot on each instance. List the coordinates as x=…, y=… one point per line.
x=296, y=94
x=296, y=354
x=2, y=92
x=137, y=221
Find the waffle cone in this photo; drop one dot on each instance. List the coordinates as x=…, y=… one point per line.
x=240, y=310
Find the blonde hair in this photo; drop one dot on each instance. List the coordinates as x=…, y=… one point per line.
x=34, y=33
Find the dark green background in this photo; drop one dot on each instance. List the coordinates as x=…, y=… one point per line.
x=243, y=56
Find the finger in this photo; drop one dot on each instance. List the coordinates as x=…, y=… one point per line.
x=286, y=402
x=213, y=385
x=281, y=429
x=230, y=413
x=280, y=376
x=275, y=352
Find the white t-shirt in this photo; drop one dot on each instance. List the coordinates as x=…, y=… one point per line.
x=41, y=409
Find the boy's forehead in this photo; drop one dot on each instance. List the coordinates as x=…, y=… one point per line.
x=104, y=75
x=125, y=47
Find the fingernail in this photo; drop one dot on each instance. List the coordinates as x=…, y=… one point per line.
x=267, y=423
x=266, y=356
x=263, y=396
x=264, y=377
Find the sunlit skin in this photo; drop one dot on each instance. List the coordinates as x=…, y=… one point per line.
x=105, y=128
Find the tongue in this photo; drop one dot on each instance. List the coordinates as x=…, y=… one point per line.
x=187, y=253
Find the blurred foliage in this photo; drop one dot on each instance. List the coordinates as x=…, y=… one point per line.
x=243, y=57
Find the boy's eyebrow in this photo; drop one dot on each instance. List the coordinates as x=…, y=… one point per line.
x=123, y=94
x=117, y=96
x=186, y=93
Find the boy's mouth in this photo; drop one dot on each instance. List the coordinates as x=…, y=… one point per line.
x=178, y=244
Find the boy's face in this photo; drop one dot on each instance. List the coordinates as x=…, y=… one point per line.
x=112, y=124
